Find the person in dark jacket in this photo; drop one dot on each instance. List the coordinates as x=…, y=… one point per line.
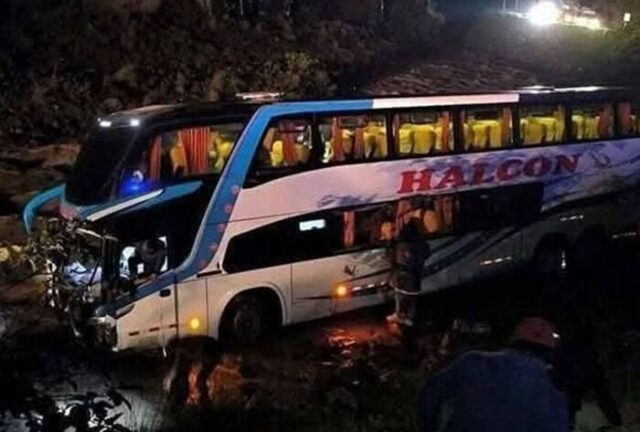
x=578, y=371
x=505, y=391
x=408, y=254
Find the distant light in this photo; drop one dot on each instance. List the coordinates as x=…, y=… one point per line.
x=594, y=24
x=341, y=291
x=627, y=17
x=544, y=14
x=135, y=122
x=104, y=123
x=556, y=336
x=194, y=323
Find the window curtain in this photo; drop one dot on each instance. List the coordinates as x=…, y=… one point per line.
x=624, y=118
x=358, y=143
x=445, y=124
x=155, y=159
x=505, y=130
x=196, y=142
x=337, y=141
x=349, y=232
x=288, y=145
x=605, y=121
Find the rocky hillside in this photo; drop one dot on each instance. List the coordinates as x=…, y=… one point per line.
x=61, y=67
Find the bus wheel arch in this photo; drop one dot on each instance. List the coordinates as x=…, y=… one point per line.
x=250, y=314
x=550, y=255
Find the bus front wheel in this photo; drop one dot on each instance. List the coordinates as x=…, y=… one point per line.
x=247, y=318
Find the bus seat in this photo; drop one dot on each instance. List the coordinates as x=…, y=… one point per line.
x=440, y=146
x=302, y=154
x=179, y=159
x=494, y=133
x=481, y=133
x=534, y=131
x=405, y=139
x=277, y=153
x=591, y=127
x=577, y=123
x=468, y=135
x=550, y=127
x=424, y=137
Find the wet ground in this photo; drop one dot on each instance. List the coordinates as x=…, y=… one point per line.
x=345, y=373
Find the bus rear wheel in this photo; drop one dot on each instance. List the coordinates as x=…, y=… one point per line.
x=247, y=318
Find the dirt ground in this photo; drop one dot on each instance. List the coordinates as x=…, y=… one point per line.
x=345, y=373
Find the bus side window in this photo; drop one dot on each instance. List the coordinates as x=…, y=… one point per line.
x=287, y=143
x=487, y=128
x=627, y=119
x=423, y=132
x=592, y=121
x=353, y=138
x=542, y=124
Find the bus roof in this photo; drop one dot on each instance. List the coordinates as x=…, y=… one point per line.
x=530, y=95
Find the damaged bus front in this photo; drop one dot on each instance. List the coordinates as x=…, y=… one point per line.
x=129, y=212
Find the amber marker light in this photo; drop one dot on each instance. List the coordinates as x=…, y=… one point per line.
x=194, y=323
x=341, y=291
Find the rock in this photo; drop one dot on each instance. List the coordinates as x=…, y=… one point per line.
x=340, y=396
x=127, y=75
x=39, y=179
x=10, y=181
x=112, y=104
x=49, y=156
x=11, y=230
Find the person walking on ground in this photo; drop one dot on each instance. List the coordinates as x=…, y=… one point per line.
x=408, y=254
x=505, y=391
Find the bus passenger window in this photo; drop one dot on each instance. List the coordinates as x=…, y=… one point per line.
x=592, y=121
x=287, y=143
x=353, y=138
x=423, y=133
x=627, y=119
x=487, y=128
x=174, y=154
x=542, y=124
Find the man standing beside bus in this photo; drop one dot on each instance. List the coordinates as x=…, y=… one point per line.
x=408, y=254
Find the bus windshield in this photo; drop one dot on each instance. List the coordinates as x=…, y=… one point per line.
x=93, y=173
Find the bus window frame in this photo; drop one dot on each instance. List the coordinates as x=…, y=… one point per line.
x=385, y=113
x=257, y=176
x=460, y=138
x=142, y=140
x=393, y=143
x=567, y=124
x=632, y=102
x=569, y=108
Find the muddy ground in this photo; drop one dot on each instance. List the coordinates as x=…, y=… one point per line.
x=346, y=373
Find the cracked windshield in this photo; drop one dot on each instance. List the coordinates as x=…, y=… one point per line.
x=320, y=215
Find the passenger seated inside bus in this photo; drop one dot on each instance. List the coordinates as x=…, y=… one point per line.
x=542, y=124
x=287, y=144
x=627, y=119
x=486, y=128
x=423, y=132
x=592, y=121
x=354, y=138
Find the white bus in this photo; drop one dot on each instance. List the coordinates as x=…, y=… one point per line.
x=222, y=221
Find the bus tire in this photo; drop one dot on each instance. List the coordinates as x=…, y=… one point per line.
x=250, y=316
x=550, y=258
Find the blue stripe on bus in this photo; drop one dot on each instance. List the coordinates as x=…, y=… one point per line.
x=228, y=189
x=168, y=194
x=31, y=209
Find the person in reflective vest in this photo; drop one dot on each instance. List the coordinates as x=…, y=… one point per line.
x=408, y=254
